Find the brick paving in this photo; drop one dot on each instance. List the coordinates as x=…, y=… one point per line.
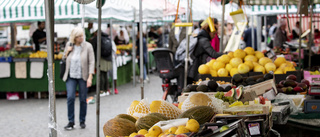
x=29, y=117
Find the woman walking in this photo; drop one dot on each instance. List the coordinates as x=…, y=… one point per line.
x=79, y=57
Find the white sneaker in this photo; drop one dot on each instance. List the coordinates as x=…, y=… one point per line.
x=103, y=94
x=107, y=93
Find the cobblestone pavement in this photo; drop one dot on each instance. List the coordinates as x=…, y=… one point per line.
x=29, y=118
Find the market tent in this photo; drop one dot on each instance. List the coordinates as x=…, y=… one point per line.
x=271, y=2
x=275, y=10
x=293, y=18
x=70, y=11
x=33, y=10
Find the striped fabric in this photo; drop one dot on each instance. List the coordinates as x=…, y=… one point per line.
x=274, y=9
x=33, y=10
x=293, y=18
x=271, y=2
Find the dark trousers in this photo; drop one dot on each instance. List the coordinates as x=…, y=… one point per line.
x=71, y=85
x=104, y=82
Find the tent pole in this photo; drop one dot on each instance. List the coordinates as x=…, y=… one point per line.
x=187, y=49
x=133, y=47
x=13, y=34
x=82, y=19
x=49, y=16
x=310, y=35
x=141, y=49
x=222, y=25
x=98, y=70
x=300, y=18
x=266, y=36
x=112, y=58
x=259, y=32
x=163, y=33
x=252, y=32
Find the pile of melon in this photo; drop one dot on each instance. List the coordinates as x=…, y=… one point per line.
x=244, y=61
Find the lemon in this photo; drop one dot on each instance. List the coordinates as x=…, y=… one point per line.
x=149, y=135
x=155, y=131
x=234, y=71
x=249, y=51
x=193, y=125
x=218, y=65
x=172, y=130
x=286, y=69
x=204, y=69
x=230, y=54
x=235, y=62
x=160, y=135
x=210, y=62
x=259, y=68
x=133, y=134
x=250, y=64
x=223, y=72
x=259, y=54
x=251, y=58
x=255, y=64
x=279, y=61
x=239, y=53
x=229, y=67
x=263, y=61
x=243, y=68
x=224, y=58
x=270, y=67
x=181, y=130
x=213, y=73
x=278, y=71
x=237, y=103
x=142, y=132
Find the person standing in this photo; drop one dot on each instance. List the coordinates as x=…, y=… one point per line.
x=203, y=50
x=88, y=32
x=176, y=38
x=296, y=31
x=80, y=62
x=280, y=36
x=39, y=36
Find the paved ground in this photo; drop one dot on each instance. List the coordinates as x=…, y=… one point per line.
x=29, y=117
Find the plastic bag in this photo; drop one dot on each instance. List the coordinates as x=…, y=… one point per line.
x=296, y=101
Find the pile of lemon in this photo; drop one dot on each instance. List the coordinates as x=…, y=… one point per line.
x=155, y=131
x=39, y=54
x=314, y=72
x=243, y=61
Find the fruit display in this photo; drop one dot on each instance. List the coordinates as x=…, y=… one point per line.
x=200, y=99
x=201, y=114
x=58, y=56
x=314, y=72
x=208, y=86
x=119, y=127
x=220, y=95
x=165, y=108
x=245, y=81
x=39, y=54
x=22, y=55
x=124, y=47
x=244, y=61
x=9, y=53
x=291, y=86
x=148, y=121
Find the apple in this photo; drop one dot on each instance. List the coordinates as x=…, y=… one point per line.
x=181, y=135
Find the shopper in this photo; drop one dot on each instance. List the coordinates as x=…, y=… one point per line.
x=39, y=36
x=176, y=38
x=280, y=36
x=89, y=36
x=80, y=62
x=203, y=51
x=215, y=42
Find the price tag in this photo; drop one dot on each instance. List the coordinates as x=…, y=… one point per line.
x=254, y=128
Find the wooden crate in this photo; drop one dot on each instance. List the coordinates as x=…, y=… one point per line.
x=253, y=91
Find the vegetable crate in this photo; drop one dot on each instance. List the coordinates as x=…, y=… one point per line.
x=5, y=59
x=255, y=125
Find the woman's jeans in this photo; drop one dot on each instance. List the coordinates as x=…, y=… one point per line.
x=71, y=85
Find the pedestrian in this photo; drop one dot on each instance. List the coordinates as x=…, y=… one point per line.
x=280, y=37
x=87, y=31
x=203, y=51
x=215, y=42
x=176, y=37
x=80, y=62
x=296, y=31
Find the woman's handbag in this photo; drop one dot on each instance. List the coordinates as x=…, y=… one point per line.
x=63, y=65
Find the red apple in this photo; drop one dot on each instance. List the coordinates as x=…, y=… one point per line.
x=307, y=82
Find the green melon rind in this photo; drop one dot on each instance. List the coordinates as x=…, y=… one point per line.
x=147, y=122
x=118, y=127
x=238, y=95
x=202, y=114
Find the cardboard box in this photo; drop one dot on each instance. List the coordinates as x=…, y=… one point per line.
x=253, y=91
x=280, y=114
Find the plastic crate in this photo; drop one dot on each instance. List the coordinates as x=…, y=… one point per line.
x=5, y=59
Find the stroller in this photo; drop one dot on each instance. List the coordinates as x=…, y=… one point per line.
x=164, y=59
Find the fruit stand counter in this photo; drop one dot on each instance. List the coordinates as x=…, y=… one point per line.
x=12, y=84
